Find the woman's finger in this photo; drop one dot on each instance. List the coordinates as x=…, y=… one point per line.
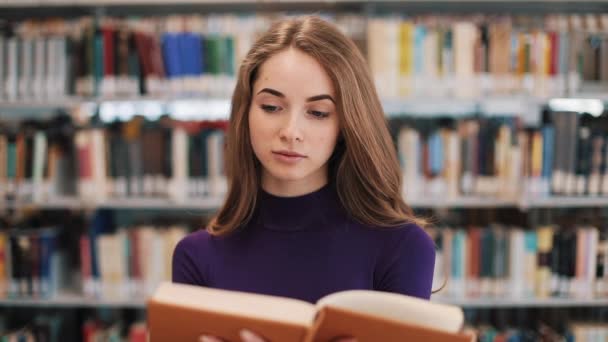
x=207, y=338
x=250, y=336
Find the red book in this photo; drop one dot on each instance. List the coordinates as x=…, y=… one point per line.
x=88, y=331
x=85, y=258
x=554, y=46
x=138, y=333
x=108, y=50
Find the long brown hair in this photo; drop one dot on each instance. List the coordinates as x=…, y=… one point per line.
x=364, y=165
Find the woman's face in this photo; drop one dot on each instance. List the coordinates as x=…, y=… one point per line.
x=293, y=123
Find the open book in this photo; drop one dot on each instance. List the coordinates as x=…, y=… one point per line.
x=180, y=312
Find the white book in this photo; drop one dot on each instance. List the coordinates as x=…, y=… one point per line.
x=156, y=270
x=409, y=142
x=40, y=153
x=517, y=263
x=60, y=79
x=591, y=262
x=112, y=265
x=145, y=241
x=453, y=164
x=431, y=68
x=215, y=153
x=26, y=68
x=465, y=34
x=178, y=184
x=12, y=70
x=40, y=71
x=99, y=167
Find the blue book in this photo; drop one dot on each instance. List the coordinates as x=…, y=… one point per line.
x=47, y=253
x=548, y=133
x=185, y=55
x=196, y=50
x=419, y=35
x=98, y=63
x=457, y=249
x=171, y=55
x=435, y=153
x=101, y=223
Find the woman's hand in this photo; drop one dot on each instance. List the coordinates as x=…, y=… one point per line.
x=249, y=336
x=246, y=336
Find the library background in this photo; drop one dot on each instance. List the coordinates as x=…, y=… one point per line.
x=112, y=122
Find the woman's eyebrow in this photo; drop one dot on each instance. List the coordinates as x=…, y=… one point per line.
x=272, y=92
x=310, y=99
x=320, y=97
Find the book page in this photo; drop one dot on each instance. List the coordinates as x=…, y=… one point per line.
x=398, y=307
x=260, y=306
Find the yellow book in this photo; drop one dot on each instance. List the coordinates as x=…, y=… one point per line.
x=543, y=272
x=537, y=154
x=406, y=57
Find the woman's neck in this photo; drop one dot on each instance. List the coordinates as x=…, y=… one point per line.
x=292, y=188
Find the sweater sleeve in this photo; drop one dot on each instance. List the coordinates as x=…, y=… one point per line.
x=408, y=264
x=186, y=267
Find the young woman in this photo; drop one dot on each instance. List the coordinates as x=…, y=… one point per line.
x=314, y=204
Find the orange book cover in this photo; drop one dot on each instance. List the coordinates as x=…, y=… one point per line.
x=179, y=312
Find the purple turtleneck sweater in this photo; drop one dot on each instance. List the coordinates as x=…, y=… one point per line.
x=306, y=247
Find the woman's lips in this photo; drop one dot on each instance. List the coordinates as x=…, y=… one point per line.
x=288, y=157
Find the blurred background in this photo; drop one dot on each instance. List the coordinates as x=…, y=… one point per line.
x=112, y=122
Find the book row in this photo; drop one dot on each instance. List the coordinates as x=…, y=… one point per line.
x=139, y=158
x=442, y=158
x=466, y=57
x=126, y=263
x=503, y=262
x=501, y=157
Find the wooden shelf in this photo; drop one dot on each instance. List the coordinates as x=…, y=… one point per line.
x=522, y=302
x=213, y=203
x=74, y=299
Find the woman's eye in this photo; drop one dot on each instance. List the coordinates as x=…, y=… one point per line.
x=270, y=108
x=319, y=114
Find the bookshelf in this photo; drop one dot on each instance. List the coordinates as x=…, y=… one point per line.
x=526, y=106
